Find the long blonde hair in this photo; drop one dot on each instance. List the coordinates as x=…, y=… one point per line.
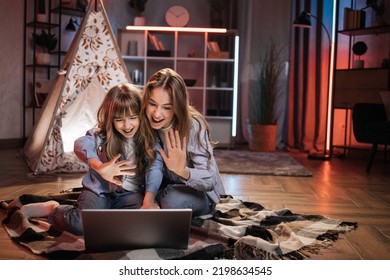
x=171, y=82
x=121, y=100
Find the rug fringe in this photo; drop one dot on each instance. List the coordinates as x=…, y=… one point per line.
x=244, y=251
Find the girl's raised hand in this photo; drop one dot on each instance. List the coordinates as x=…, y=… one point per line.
x=176, y=157
x=112, y=169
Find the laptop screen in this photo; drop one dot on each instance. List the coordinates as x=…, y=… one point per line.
x=123, y=229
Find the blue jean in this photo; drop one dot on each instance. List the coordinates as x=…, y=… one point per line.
x=177, y=196
x=68, y=217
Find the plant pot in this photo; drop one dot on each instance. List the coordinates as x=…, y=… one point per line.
x=43, y=58
x=139, y=21
x=262, y=138
x=42, y=17
x=358, y=64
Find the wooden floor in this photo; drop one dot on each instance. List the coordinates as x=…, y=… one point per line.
x=339, y=188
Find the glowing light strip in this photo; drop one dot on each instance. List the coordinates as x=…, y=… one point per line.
x=330, y=92
x=182, y=29
x=235, y=86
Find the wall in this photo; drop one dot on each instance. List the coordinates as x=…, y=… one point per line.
x=11, y=51
x=120, y=13
x=268, y=17
x=11, y=74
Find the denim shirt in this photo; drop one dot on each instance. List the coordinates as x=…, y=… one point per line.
x=204, y=174
x=154, y=174
x=90, y=146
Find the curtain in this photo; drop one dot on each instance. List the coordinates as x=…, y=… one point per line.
x=259, y=22
x=304, y=85
x=309, y=76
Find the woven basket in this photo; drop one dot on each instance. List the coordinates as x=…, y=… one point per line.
x=262, y=138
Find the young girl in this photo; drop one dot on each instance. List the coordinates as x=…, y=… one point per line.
x=190, y=177
x=108, y=149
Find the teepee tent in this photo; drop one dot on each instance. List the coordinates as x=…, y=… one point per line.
x=91, y=67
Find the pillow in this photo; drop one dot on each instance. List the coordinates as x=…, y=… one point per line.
x=385, y=95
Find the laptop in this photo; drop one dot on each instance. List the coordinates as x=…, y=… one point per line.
x=128, y=229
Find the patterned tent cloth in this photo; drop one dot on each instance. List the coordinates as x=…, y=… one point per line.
x=235, y=230
x=92, y=66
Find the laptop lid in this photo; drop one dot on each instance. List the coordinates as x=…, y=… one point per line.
x=122, y=229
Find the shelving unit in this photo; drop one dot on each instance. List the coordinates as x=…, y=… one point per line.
x=351, y=84
x=214, y=93
x=56, y=18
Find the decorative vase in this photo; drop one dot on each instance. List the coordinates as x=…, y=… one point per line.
x=139, y=21
x=42, y=17
x=262, y=137
x=43, y=58
x=358, y=64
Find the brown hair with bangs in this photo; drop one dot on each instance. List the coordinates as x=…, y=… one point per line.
x=120, y=101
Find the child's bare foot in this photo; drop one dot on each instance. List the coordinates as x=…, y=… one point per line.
x=4, y=204
x=39, y=209
x=13, y=204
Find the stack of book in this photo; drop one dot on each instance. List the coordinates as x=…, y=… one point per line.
x=214, y=51
x=156, y=43
x=159, y=49
x=354, y=19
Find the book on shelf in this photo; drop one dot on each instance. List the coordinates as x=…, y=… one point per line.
x=354, y=19
x=161, y=46
x=212, y=46
x=157, y=44
x=42, y=90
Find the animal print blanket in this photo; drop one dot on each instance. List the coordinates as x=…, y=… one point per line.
x=234, y=230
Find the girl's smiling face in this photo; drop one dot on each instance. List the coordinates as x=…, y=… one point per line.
x=159, y=109
x=127, y=124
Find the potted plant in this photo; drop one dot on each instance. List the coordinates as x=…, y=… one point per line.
x=139, y=7
x=379, y=10
x=218, y=9
x=41, y=11
x=46, y=42
x=263, y=96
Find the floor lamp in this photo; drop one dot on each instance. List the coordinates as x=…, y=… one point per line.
x=304, y=21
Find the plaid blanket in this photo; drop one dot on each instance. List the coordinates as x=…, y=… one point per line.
x=235, y=230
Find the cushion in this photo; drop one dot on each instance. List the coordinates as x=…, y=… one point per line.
x=385, y=95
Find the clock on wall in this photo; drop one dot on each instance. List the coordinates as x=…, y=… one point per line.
x=177, y=16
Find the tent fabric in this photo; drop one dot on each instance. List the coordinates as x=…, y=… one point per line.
x=91, y=67
x=77, y=120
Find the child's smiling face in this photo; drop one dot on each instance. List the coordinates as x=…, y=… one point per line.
x=127, y=124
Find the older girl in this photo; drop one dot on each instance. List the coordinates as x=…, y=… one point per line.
x=189, y=174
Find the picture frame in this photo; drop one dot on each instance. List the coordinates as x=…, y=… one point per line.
x=42, y=89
